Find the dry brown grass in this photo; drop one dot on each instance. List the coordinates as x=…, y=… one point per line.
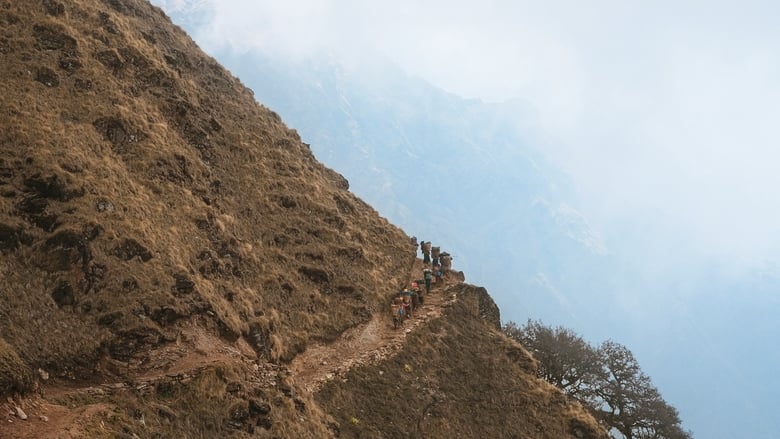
x=145, y=197
x=143, y=188
x=15, y=377
x=457, y=377
x=180, y=196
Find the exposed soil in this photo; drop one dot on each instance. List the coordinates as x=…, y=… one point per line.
x=54, y=421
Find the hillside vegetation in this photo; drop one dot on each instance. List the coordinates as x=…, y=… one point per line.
x=169, y=246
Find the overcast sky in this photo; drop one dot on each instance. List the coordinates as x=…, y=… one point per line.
x=665, y=113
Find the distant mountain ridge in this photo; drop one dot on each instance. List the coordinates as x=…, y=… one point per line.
x=402, y=142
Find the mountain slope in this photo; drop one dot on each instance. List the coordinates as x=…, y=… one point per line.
x=455, y=378
x=168, y=245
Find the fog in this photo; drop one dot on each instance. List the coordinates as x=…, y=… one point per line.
x=664, y=114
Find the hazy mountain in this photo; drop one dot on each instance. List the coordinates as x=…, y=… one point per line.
x=440, y=165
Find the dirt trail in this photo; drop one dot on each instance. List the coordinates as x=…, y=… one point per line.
x=365, y=344
x=50, y=415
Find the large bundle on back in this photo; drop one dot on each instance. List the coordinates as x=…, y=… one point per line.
x=446, y=261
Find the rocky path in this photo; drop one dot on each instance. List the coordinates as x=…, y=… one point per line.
x=365, y=344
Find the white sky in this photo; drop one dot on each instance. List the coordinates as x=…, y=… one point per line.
x=665, y=113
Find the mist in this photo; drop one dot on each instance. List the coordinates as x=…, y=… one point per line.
x=662, y=113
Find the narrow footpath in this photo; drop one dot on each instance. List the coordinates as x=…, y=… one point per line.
x=365, y=344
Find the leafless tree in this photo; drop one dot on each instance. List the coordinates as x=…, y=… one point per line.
x=608, y=380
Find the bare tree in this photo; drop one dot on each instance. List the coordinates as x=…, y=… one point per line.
x=565, y=359
x=628, y=402
x=608, y=380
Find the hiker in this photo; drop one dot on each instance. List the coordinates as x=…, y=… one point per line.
x=446, y=261
x=427, y=275
x=435, y=252
x=397, y=312
x=417, y=288
x=407, y=302
x=438, y=274
x=426, y=249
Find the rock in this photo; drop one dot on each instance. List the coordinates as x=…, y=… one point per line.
x=44, y=418
x=104, y=206
x=43, y=374
x=21, y=414
x=257, y=407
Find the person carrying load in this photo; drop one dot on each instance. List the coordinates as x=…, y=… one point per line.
x=428, y=276
x=407, y=302
x=426, y=250
x=417, y=288
x=397, y=312
x=435, y=252
x=446, y=261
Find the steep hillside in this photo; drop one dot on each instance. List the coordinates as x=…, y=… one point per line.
x=168, y=245
x=402, y=133
x=141, y=185
x=455, y=378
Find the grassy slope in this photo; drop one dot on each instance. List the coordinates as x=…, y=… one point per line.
x=146, y=197
x=457, y=377
x=142, y=185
